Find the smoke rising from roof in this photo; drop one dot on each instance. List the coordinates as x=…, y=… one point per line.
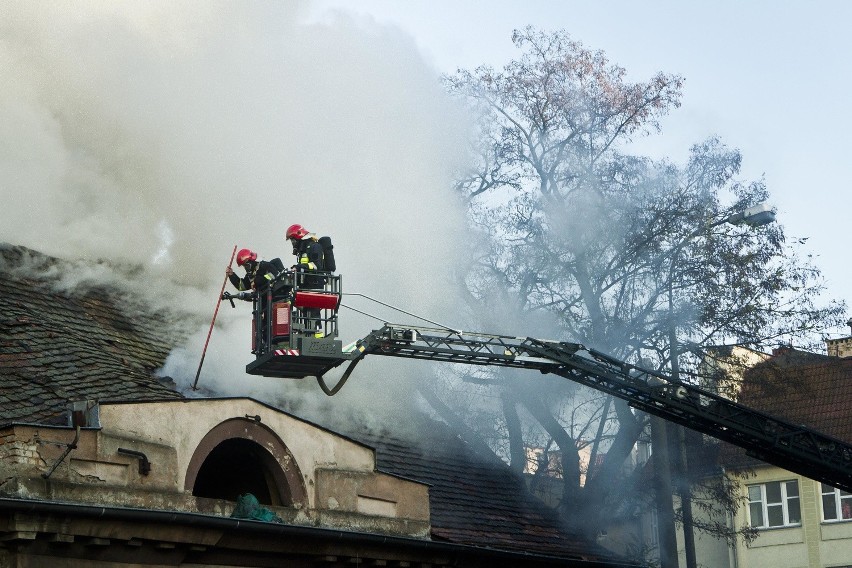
x=162, y=135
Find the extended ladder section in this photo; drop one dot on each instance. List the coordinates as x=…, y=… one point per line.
x=773, y=440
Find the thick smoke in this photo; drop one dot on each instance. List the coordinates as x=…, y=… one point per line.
x=163, y=134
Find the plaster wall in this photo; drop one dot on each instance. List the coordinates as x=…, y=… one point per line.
x=182, y=425
x=332, y=479
x=813, y=543
x=709, y=550
x=384, y=496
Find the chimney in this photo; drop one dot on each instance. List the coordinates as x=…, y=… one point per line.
x=84, y=413
x=782, y=349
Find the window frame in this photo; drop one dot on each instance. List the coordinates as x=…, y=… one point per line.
x=784, y=503
x=654, y=523
x=839, y=497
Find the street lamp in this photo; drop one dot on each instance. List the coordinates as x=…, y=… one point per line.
x=755, y=216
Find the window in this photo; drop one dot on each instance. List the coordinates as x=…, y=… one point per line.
x=653, y=539
x=836, y=504
x=774, y=504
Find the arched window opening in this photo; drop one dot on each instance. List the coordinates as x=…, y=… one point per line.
x=244, y=456
x=238, y=466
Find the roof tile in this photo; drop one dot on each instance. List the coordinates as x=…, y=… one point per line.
x=52, y=346
x=804, y=388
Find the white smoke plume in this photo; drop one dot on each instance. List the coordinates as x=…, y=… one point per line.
x=163, y=134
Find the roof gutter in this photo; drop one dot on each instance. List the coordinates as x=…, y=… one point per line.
x=276, y=529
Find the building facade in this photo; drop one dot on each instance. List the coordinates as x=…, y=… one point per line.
x=800, y=522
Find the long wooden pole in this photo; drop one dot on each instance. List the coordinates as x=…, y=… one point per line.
x=210, y=331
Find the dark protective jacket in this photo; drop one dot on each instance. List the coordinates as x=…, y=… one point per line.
x=309, y=259
x=262, y=274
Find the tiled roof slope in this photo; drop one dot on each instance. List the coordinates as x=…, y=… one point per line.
x=804, y=388
x=56, y=348
x=475, y=500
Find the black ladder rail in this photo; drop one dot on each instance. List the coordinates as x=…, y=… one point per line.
x=776, y=441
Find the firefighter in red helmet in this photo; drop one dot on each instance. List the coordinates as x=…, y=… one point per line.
x=312, y=254
x=258, y=272
x=312, y=258
x=296, y=232
x=260, y=279
x=309, y=253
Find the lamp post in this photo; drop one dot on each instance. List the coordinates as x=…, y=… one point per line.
x=755, y=216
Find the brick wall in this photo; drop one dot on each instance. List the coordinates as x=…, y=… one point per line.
x=16, y=450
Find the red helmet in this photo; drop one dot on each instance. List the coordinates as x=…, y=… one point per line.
x=296, y=232
x=244, y=256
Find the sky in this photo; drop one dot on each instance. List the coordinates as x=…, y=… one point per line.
x=770, y=78
x=165, y=134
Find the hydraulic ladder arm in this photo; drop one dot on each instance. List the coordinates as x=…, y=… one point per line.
x=793, y=447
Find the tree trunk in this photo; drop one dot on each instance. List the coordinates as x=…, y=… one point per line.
x=517, y=452
x=571, y=502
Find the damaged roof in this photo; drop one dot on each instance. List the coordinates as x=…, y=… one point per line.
x=58, y=347
x=475, y=499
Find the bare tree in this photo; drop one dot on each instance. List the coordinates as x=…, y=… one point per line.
x=625, y=254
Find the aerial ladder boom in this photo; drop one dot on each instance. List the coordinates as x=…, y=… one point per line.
x=295, y=335
x=792, y=447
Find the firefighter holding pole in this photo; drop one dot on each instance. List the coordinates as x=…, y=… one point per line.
x=258, y=272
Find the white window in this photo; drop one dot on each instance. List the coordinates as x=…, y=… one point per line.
x=774, y=504
x=653, y=539
x=836, y=504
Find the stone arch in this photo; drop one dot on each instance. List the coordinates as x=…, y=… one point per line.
x=261, y=447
